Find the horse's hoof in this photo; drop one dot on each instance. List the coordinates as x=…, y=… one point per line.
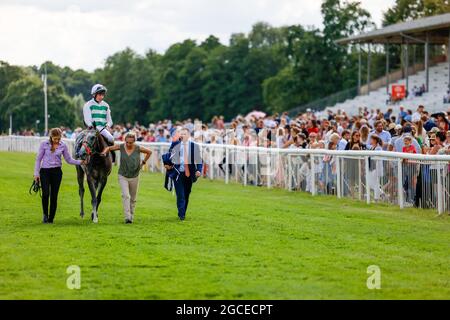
x=82, y=215
x=95, y=220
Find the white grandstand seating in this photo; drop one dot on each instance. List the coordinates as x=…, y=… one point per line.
x=432, y=100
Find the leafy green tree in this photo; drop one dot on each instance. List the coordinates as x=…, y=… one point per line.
x=8, y=74
x=215, y=92
x=281, y=91
x=210, y=43
x=168, y=101
x=129, y=79
x=406, y=10
x=25, y=101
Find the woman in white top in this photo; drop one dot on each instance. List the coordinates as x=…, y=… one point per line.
x=280, y=138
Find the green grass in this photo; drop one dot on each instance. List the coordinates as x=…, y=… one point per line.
x=236, y=243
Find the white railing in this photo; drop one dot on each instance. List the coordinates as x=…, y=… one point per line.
x=398, y=178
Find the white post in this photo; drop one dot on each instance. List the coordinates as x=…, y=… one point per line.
x=360, y=180
x=211, y=161
x=160, y=153
x=338, y=175
x=10, y=124
x=226, y=164
x=440, y=198
x=256, y=168
x=235, y=160
x=289, y=172
x=313, y=176
x=367, y=180
x=269, y=169
x=400, y=183
x=245, y=166
x=152, y=161
x=45, y=102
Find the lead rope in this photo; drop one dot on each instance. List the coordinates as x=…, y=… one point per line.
x=36, y=188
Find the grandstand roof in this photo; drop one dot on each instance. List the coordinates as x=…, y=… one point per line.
x=438, y=28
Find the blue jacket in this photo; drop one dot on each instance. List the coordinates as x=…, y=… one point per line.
x=195, y=158
x=171, y=175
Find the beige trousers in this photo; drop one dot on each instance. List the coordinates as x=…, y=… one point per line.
x=129, y=188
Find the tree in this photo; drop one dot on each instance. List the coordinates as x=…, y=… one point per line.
x=406, y=10
x=264, y=35
x=343, y=19
x=281, y=92
x=340, y=20
x=129, y=79
x=8, y=74
x=171, y=81
x=215, y=95
x=25, y=100
x=210, y=43
x=74, y=82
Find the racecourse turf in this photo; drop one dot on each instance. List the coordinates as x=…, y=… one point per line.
x=236, y=243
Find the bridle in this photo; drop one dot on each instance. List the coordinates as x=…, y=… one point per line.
x=88, y=148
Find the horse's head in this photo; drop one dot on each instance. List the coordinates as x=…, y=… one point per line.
x=89, y=144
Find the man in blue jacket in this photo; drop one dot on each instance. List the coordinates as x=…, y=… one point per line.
x=186, y=156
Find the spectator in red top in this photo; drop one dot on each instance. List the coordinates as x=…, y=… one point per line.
x=408, y=147
x=312, y=127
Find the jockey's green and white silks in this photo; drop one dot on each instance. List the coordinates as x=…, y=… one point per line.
x=98, y=113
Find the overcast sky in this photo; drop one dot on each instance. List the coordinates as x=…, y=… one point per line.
x=81, y=34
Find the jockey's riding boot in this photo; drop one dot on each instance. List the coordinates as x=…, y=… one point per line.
x=113, y=154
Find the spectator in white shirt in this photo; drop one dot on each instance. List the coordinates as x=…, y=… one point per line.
x=384, y=135
x=345, y=138
x=418, y=114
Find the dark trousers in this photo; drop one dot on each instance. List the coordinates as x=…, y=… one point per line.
x=50, y=181
x=183, y=188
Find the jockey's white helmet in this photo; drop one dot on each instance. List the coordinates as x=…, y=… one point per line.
x=98, y=88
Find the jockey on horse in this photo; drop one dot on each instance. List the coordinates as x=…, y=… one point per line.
x=89, y=145
x=97, y=115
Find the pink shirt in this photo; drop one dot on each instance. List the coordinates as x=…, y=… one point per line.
x=47, y=159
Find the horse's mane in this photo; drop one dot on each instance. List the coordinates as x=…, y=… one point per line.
x=101, y=144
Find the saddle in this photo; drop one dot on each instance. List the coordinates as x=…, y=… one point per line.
x=79, y=143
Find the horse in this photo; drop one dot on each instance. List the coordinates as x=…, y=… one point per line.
x=90, y=144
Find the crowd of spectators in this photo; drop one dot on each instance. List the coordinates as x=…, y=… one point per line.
x=405, y=131
x=369, y=130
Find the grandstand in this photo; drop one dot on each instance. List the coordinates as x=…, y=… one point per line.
x=433, y=99
x=424, y=32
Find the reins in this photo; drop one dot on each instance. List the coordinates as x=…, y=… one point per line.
x=36, y=188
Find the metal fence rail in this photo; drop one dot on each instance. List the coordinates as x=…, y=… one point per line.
x=401, y=179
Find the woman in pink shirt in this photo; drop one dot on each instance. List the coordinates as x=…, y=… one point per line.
x=47, y=170
x=150, y=137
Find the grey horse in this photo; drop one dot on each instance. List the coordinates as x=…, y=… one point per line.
x=89, y=145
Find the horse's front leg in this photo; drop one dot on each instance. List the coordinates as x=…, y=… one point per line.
x=101, y=187
x=80, y=177
x=92, y=189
